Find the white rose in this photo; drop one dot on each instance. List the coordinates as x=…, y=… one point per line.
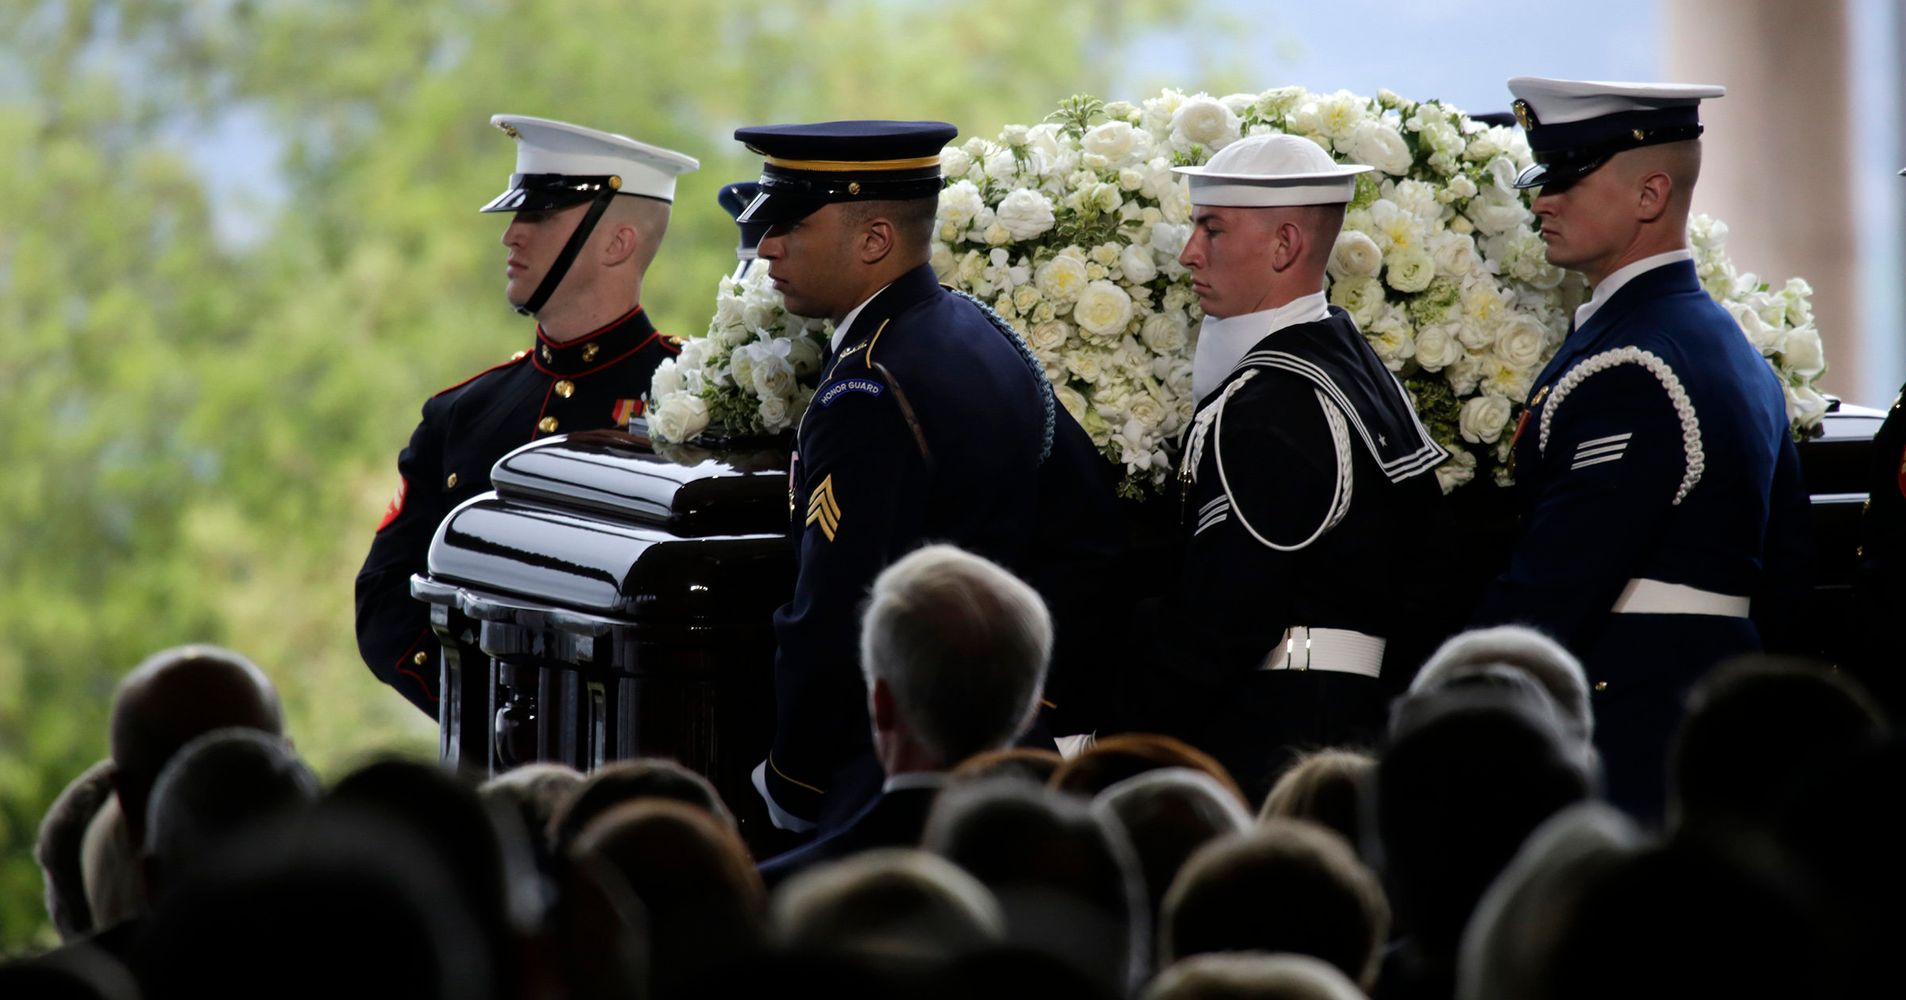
x=1803, y=353
x=960, y=203
x=727, y=310
x=1805, y=406
x=1766, y=339
x=1520, y=344
x=1455, y=254
x=1025, y=213
x=1146, y=409
x=679, y=418
x=1483, y=419
x=1495, y=212
x=1205, y=122
x=997, y=235
x=1103, y=309
x=1114, y=140
x=1410, y=269
x=954, y=163
x=1072, y=400
x=1377, y=144
x=1137, y=264
x=1356, y=255
x=1169, y=240
x=1062, y=278
x=1437, y=347
x=804, y=354
x=1050, y=336
x=693, y=354
x=1001, y=164
x=774, y=413
x=1084, y=364
x=944, y=264
x=772, y=376
x=1026, y=297
x=1360, y=297
x=1456, y=470
x=666, y=381
x=1164, y=333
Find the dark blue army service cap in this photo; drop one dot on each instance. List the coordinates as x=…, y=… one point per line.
x=808, y=166
x=735, y=198
x=1574, y=126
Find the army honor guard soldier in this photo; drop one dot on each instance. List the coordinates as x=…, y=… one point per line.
x=590, y=210
x=1303, y=472
x=1655, y=464
x=932, y=422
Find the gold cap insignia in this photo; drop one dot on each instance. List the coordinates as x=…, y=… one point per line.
x=853, y=187
x=1640, y=136
x=509, y=130
x=823, y=509
x=1523, y=113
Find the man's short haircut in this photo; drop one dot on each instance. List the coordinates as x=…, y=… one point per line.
x=1327, y=787
x=1521, y=648
x=650, y=218
x=1287, y=886
x=1034, y=764
x=889, y=902
x=109, y=866
x=1169, y=814
x=963, y=646
x=913, y=220
x=59, y=845
x=217, y=788
x=634, y=780
x=1115, y=758
x=1248, y=976
x=535, y=791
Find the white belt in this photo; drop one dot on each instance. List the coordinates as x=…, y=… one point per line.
x=1337, y=649
x=1653, y=597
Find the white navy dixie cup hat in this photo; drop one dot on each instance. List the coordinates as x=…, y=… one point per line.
x=1269, y=171
x=1574, y=126
x=559, y=164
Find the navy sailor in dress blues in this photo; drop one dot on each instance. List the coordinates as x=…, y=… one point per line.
x=931, y=422
x=591, y=207
x=1304, y=471
x=1654, y=462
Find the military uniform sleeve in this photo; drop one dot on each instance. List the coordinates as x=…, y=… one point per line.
x=861, y=495
x=1787, y=560
x=1282, y=462
x=393, y=628
x=1610, y=464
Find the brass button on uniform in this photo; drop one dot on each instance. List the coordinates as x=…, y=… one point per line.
x=450, y=481
x=420, y=659
x=565, y=388
x=1601, y=685
x=547, y=425
x=589, y=351
x=519, y=355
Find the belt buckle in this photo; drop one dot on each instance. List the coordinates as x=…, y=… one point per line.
x=1290, y=647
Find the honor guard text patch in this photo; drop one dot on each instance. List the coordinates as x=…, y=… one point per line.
x=847, y=385
x=823, y=509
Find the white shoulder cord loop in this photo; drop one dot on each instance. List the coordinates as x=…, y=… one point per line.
x=1340, y=492
x=1691, y=449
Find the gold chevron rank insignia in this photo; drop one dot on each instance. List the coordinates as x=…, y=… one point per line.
x=823, y=509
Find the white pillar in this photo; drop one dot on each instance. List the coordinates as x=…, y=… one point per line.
x=1777, y=164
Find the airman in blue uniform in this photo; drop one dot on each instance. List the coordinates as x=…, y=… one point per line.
x=1655, y=461
x=932, y=422
x=589, y=204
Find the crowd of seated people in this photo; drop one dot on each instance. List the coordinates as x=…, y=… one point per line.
x=1468, y=855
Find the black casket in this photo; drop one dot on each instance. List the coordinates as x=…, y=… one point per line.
x=607, y=601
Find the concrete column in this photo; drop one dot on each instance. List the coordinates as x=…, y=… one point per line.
x=1777, y=163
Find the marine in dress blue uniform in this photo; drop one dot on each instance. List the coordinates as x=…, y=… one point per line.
x=589, y=381
x=931, y=422
x=1655, y=461
x=1304, y=472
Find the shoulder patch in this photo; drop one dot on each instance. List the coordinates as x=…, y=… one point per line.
x=396, y=505
x=833, y=391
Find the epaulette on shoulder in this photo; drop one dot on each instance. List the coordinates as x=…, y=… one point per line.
x=516, y=358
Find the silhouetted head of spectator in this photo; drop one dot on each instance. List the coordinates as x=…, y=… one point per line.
x=1010, y=972
x=624, y=781
x=171, y=698
x=1247, y=976
x=704, y=899
x=82, y=973
x=1517, y=927
x=1286, y=886
x=893, y=906
x=1484, y=652
x=535, y=792
x=336, y=904
x=1682, y=920
x=1327, y=787
x=1065, y=877
x=1757, y=730
x=110, y=867
x=954, y=651
x=1468, y=774
x=1115, y=758
x=217, y=788
x=1168, y=814
x=1032, y=764
x=62, y=835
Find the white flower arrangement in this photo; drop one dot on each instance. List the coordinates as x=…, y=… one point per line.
x=750, y=375
x=1071, y=229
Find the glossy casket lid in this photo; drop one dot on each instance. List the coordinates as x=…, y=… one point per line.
x=690, y=492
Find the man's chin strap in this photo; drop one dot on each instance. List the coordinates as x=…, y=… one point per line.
x=560, y=266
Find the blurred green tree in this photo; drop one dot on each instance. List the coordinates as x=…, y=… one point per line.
x=197, y=433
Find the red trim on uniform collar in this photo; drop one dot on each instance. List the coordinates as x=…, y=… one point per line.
x=543, y=338
x=596, y=350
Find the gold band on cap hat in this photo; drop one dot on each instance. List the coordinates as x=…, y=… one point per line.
x=846, y=166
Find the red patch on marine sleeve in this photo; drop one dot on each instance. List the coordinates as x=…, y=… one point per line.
x=396, y=503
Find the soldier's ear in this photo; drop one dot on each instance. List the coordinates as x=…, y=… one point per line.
x=622, y=243
x=1652, y=195
x=877, y=239
x=1287, y=245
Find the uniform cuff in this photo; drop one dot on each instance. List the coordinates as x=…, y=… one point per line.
x=766, y=781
